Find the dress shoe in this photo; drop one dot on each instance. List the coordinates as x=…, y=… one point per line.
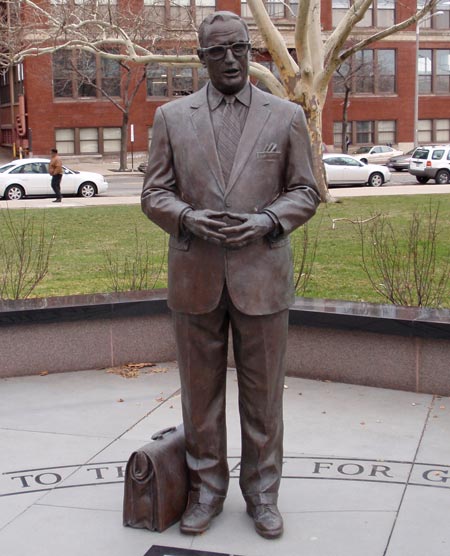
x=267, y=519
x=197, y=517
x=56, y=201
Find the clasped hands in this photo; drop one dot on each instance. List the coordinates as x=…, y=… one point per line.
x=212, y=226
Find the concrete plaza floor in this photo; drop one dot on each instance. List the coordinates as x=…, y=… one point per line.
x=365, y=469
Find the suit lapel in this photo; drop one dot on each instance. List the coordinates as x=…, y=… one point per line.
x=258, y=113
x=201, y=120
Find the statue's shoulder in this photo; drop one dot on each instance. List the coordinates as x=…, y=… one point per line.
x=183, y=104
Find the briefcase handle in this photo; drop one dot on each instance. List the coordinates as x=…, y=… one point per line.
x=162, y=433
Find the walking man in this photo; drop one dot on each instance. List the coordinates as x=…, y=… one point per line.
x=55, y=169
x=229, y=178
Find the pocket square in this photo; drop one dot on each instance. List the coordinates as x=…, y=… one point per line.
x=270, y=148
x=268, y=155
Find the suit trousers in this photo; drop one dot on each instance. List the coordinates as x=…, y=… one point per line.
x=259, y=344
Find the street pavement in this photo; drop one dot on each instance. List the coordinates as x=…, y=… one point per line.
x=365, y=469
x=401, y=184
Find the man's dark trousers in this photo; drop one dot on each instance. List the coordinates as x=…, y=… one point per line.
x=56, y=185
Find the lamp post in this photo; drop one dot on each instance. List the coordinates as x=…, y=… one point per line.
x=416, y=85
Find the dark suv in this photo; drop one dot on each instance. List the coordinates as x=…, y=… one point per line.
x=431, y=162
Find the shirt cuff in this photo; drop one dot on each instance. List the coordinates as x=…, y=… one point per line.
x=182, y=227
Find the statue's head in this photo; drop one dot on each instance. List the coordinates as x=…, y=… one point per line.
x=224, y=50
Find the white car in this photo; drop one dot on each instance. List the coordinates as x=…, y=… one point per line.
x=377, y=154
x=343, y=169
x=30, y=176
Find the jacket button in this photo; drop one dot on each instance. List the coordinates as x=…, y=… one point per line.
x=227, y=204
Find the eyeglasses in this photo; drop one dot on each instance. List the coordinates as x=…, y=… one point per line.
x=219, y=51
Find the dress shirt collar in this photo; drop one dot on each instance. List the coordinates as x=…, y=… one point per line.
x=215, y=97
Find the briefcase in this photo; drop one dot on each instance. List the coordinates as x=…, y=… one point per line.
x=156, y=482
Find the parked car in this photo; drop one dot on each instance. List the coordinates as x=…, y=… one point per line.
x=343, y=169
x=400, y=162
x=431, y=162
x=29, y=176
x=377, y=154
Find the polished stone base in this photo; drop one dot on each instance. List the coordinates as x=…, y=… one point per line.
x=357, y=343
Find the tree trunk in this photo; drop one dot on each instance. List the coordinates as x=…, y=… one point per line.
x=345, y=120
x=314, y=121
x=124, y=143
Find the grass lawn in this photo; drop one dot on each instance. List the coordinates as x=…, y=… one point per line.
x=84, y=237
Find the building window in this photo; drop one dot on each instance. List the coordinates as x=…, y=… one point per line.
x=441, y=21
x=442, y=65
x=442, y=130
x=182, y=82
x=364, y=75
x=368, y=71
x=434, y=71
x=434, y=131
x=277, y=9
x=180, y=14
x=381, y=13
x=385, y=13
x=5, y=91
x=88, y=140
x=157, y=81
x=16, y=72
x=86, y=74
x=62, y=74
x=111, y=139
x=425, y=131
x=110, y=77
x=163, y=81
x=338, y=135
x=385, y=132
x=382, y=132
x=65, y=141
x=364, y=133
x=79, y=74
x=385, y=71
x=425, y=71
x=6, y=137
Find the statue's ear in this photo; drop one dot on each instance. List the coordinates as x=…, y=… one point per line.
x=201, y=56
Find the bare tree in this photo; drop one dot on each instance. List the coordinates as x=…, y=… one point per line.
x=305, y=75
x=345, y=80
x=120, y=82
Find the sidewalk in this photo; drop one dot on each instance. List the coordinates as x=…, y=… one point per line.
x=365, y=471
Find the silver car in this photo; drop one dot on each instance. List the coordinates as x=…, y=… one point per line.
x=343, y=169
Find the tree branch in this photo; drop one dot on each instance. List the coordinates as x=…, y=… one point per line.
x=274, y=41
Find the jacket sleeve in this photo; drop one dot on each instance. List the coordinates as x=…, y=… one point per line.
x=160, y=199
x=300, y=197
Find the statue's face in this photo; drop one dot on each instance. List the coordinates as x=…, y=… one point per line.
x=230, y=73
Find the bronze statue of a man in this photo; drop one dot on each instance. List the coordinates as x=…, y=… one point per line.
x=229, y=178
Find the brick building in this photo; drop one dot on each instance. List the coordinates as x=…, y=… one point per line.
x=54, y=106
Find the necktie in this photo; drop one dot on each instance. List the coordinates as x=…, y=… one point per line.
x=229, y=135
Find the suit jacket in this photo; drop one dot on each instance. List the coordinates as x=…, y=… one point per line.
x=184, y=172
